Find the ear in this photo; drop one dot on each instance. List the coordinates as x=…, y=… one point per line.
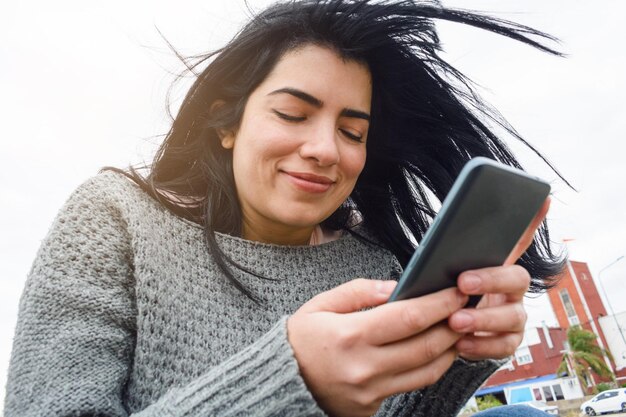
x=227, y=137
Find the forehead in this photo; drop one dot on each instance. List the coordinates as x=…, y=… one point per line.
x=322, y=72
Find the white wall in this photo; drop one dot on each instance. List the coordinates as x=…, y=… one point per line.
x=570, y=387
x=531, y=337
x=615, y=338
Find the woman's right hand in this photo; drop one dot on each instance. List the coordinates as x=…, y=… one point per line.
x=351, y=360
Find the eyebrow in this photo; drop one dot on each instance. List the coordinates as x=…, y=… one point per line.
x=314, y=101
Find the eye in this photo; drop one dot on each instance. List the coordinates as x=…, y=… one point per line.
x=352, y=136
x=289, y=117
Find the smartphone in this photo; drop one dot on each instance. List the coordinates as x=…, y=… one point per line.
x=487, y=210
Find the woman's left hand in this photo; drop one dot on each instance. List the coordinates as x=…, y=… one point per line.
x=495, y=328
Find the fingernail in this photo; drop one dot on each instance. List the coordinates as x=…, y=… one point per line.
x=385, y=287
x=463, y=321
x=471, y=282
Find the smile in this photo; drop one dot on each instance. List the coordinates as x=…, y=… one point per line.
x=308, y=182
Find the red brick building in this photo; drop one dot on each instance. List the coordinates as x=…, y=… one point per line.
x=531, y=374
x=575, y=300
x=568, y=302
x=538, y=355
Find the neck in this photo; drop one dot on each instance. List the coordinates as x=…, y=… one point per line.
x=278, y=235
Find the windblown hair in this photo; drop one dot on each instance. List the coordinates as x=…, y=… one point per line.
x=426, y=121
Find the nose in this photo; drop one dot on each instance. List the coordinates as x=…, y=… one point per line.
x=321, y=146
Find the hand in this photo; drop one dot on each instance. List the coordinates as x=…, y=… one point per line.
x=351, y=360
x=495, y=328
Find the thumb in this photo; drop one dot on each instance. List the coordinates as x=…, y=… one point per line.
x=351, y=296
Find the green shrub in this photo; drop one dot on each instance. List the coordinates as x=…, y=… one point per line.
x=488, y=401
x=603, y=386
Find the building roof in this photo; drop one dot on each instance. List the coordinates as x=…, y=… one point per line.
x=501, y=387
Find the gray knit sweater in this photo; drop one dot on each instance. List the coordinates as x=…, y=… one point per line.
x=124, y=312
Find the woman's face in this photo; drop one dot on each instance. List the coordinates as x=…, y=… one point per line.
x=300, y=146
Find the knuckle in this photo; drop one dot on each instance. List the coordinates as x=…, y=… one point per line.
x=360, y=283
x=360, y=287
x=359, y=375
x=413, y=319
x=522, y=273
x=367, y=400
x=366, y=284
x=347, y=337
x=429, y=349
x=489, y=275
x=511, y=345
x=520, y=314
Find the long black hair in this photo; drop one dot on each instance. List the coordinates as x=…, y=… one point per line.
x=426, y=120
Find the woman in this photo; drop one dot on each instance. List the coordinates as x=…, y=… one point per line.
x=230, y=280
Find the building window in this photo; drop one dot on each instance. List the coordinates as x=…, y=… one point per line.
x=548, y=393
x=569, y=307
x=558, y=392
x=520, y=395
x=537, y=394
x=523, y=356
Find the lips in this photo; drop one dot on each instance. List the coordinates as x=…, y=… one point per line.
x=319, y=179
x=308, y=182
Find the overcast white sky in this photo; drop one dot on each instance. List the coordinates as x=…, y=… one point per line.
x=84, y=86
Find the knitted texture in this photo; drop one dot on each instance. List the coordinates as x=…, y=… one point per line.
x=125, y=313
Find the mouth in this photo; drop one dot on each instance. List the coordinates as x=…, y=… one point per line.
x=308, y=182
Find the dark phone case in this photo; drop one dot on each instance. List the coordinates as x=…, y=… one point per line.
x=487, y=210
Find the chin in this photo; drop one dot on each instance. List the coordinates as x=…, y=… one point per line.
x=301, y=217
x=299, y=223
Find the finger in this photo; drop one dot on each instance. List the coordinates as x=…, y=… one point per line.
x=490, y=300
x=488, y=347
x=351, y=296
x=401, y=319
x=505, y=318
x=511, y=279
x=421, y=376
x=410, y=353
x=527, y=238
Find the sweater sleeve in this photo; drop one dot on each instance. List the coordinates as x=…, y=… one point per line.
x=74, y=340
x=261, y=380
x=444, y=398
x=75, y=332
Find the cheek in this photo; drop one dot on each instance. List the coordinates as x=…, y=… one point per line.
x=256, y=157
x=262, y=142
x=354, y=163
